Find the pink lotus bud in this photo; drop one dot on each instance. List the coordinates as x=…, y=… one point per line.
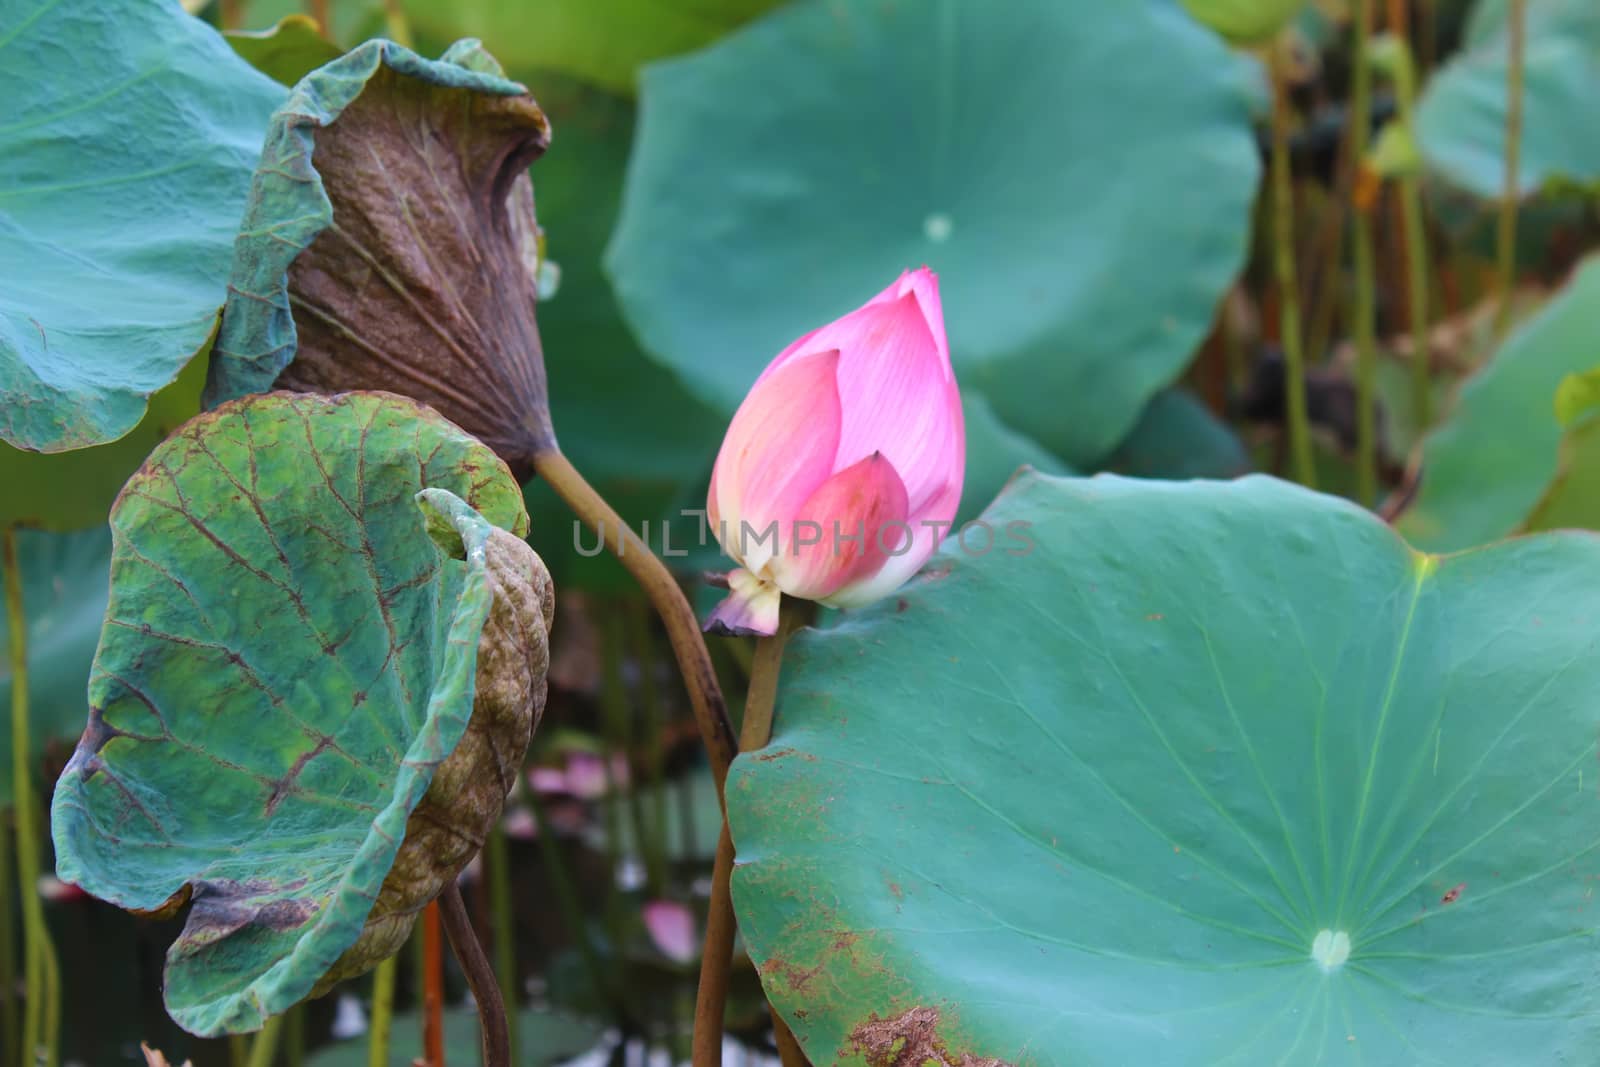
x=842, y=468
x=671, y=929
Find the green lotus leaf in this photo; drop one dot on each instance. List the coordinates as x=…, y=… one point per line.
x=129, y=134
x=792, y=170
x=1461, y=117
x=603, y=42
x=304, y=711
x=1492, y=458
x=995, y=452
x=73, y=490
x=1177, y=436
x=390, y=243
x=64, y=583
x=1213, y=773
x=1245, y=22
x=288, y=51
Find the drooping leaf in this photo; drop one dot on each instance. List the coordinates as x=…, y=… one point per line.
x=390, y=243
x=1494, y=455
x=623, y=420
x=65, y=578
x=599, y=41
x=1461, y=117
x=288, y=51
x=1214, y=773
x=125, y=153
x=1178, y=437
x=788, y=172
x=279, y=708
x=74, y=490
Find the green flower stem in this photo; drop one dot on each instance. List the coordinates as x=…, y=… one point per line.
x=717, y=955
x=1365, y=311
x=382, y=1012
x=493, y=1028
x=1288, y=286
x=10, y=1051
x=561, y=883
x=42, y=1011
x=1506, y=239
x=497, y=859
x=294, y=1036
x=238, y=1050
x=264, y=1049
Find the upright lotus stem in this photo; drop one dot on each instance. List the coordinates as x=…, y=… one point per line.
x=10, y=1052
x=754, y=735
x=432, y=988
x=1363, y=192
x=1412, y=222
x=683, y=629
x=383, y=981
x=264, y=1049
x=497, y=860
x=1506, y=240
x=40, y=1024
x=1288, y=287
x=481, y=979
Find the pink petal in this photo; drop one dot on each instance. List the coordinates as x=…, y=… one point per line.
x=928, y=529
x=854, y=519
x=780, y=446
x=898, y=397
x=751, y=607
x=548, y=779
x=925, y=284
x=671, y=928
x=586, y=776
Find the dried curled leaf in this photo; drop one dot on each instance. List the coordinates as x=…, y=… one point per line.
x=390, y=243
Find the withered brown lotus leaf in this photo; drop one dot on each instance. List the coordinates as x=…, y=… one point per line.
x=390, y=243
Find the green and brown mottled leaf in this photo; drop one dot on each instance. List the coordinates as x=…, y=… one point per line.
x=305, y=711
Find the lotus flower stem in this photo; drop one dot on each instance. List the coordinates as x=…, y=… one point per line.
x=1363, y=193
x=1288, y=293
x=497, y=858
x=754, y=734
x=432, y=988
x=294, y=1036
x=1506, y=238
x=264, y=1049
x=42, y=1010
x=10, y=1052
x=480, y=978
x=683, y=629
x=382, y=1012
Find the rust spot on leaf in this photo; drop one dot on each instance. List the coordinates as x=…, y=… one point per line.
x=1453, y=895
x=911, y=1039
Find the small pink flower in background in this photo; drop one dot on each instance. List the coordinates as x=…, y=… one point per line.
x=842, y=469
x=584, y=776
x=671, y=929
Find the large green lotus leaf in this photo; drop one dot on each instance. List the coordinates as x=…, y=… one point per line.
x=994, y=454
x=129, y=134
x=1492, y=458
x=286, y=660
x=74, y=490
x=390, y=243
x=789, y=172
x=599, y=41
x=64, y=582
x=623, y=420
x=1461, y=118
x=1215, y=773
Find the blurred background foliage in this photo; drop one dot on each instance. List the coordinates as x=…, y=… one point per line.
x=1088, y=180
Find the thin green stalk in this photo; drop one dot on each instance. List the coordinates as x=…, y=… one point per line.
x=1506, y=240
x=264, y=1049
x=383, y=980
x=10, y=1051
x=655, y=725
x=555, y=865
x=1413, y=224
x=238, y=1050
x=1365, y=312
x=754, y=734
x=294, y=1036
x=1288, y=287
x=41, y=1012
x=497, y=857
